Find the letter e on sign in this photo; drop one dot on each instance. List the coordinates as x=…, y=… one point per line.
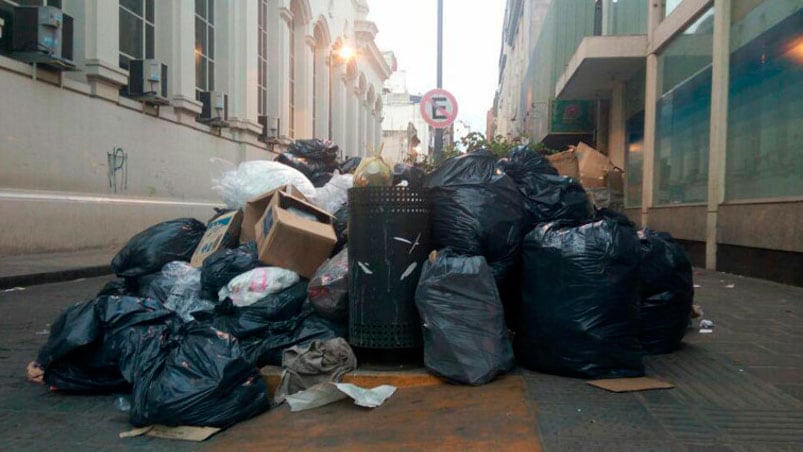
x=439, y=108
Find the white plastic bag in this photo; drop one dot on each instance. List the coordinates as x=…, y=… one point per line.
x=256, y=177
x=254, y=285
x=185, y=293
x=334, y=194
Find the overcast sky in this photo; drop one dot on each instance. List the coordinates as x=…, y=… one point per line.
x=471, y=42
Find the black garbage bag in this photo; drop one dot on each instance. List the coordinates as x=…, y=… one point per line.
x=350, y=165
x=477, y=210
x=580, y=290
x=465, y=336
x=317, y=150
x=547, y=195
x=412, y=174
x=667, y=292
x=523, y=160
x=328, y=289
x=198, y=378
x=308, y=166
x=223, y=265
x=341, y=225
x=256, y=318
x=148, y=251
x=120, y=287
x=84, y=350
x=272, y=324
x=320, y=179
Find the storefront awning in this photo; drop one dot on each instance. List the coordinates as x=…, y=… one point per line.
x=598, y=63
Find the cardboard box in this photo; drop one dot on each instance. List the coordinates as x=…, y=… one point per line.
x=255, y=208
x=288, y=240
x=220, y=231
x=594, y=166
x=566, y=163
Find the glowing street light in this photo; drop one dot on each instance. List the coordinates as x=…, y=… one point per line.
x=346, y=52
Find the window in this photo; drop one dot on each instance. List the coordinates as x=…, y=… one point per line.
x=262, y=58
x=292, y=80
x=683, y=115
x=137, y=31
x=765, y=104
x=56, y=3
x=204, y=46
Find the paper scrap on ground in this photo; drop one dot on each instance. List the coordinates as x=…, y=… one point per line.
x=326, y=393
x=185, y=433
x=630, y=384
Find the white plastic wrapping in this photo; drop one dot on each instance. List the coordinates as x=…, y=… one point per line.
x=334, y=194
x=185, y=293
x=254, y=285
x=238, y=185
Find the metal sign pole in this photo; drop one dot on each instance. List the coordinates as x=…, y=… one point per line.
x=439, y=132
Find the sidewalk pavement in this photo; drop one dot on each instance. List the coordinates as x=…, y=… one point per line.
x=42, y=268
x=739, y=388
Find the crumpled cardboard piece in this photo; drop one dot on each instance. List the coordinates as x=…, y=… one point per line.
x=184, y=433
x=326, y=393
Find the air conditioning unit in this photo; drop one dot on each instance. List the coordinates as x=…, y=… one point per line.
x=270, y=128
x=147, y=81
x=215, y=111
x=43, y=35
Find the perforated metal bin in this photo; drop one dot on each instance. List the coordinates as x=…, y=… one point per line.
x=388, y=243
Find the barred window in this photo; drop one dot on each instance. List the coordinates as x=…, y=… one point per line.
x=137, y=31
x=204, y=46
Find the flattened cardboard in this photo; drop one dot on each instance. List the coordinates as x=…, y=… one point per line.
x=630, y=384
x=594, y=166
x=566, y=163
x=223, y=229
x=255, y=208
x=289, y=241
x=184, y=433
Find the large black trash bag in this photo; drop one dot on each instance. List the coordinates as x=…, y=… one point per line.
x=84, y=350
x=306, y=165
x=667, y=292
x=225, y=264
x=318, y=150
x=341, y=225
x=413, y=175
x=199, y=378
x=350, y=165
x=547, y=195
x=465, y=335
x=148, y=251
x=580, y=294
x=320, y=179
x=120, y=287
x=477, y=210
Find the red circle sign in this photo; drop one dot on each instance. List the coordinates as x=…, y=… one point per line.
x=438, y=108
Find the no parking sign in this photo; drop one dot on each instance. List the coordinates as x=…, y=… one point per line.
x=439, y=108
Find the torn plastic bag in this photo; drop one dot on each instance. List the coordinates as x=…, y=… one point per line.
x=580, y=289
x=350, y=165
x=148, y=251
x=224, y=265
x=250, y=179
x=256, y=284
x=328, y=289
x=341, y=225
x=667, y=292
x=465, y=335
x=256, y=318
x=413, y=175
x=477, y=210
x=334, y=195
x=198, y=378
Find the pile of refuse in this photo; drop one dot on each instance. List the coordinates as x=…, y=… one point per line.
x=523, y=265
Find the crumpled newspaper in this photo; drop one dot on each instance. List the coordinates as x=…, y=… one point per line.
x=326, y=393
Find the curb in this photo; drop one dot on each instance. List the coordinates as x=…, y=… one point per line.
x=34, y=279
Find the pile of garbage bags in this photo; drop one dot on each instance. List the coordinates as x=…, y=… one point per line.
x=523, y=269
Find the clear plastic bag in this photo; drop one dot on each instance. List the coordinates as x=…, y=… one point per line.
x=328, y=289
x=256, y=284
x=185, y=294
x=238, y=185
x=332, y=196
